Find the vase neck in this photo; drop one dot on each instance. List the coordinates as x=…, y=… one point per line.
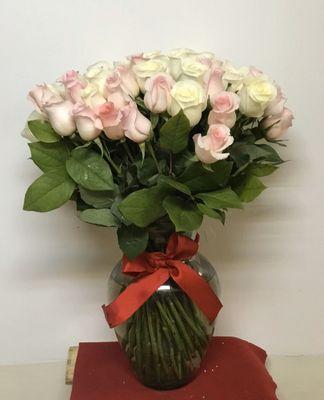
x=160, y=232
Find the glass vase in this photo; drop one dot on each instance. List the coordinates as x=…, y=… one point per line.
x=167, y=338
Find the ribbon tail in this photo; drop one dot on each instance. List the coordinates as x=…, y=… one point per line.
x=198, y=290
x=134, y=296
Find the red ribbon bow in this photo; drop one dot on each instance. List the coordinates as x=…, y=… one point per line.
x=151, y=270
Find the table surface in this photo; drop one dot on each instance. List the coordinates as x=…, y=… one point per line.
x=298, y=378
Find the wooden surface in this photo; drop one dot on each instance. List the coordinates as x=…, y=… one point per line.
x=70, y=365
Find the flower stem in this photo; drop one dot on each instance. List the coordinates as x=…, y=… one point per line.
x=128, y=151
x=165, y=339
x=179, y=322
x=110, y=160
x=153, y=340
x=151, y=150
x=190, y=321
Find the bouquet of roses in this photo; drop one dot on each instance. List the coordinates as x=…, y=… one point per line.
x=151, y=144
x=177, y=136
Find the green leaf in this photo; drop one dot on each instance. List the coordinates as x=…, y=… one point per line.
x=199, y=179
x=43, y=131
x=242, y=153
x=115, y=211
x=97, y=199
x=48, y=156
x=143, y=206
x=271, y=154
x=182, y=161
x=49, y=191
x=80, y=204
x=224, y=198
x=261, y=169
x=102, y=217
x=180, y=187
x=146, y=170
x=250, y=188
x=140, y=102
x=132, y=240
x=89, y=170
x=217, y=214
x=174, y=133
x=184, y=214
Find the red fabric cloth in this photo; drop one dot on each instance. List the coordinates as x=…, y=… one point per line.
x=233, y=370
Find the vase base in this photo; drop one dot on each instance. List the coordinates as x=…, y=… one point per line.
x=165, y=386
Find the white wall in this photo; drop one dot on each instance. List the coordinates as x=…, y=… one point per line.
x=269, y=257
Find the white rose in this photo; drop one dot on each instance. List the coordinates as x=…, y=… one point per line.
x=151, y=54
x=97, y=74
x=207, y=55
x=188, y=95
x=181, y=53
x=257, y=93
x=234, y=76
x=146, y=69
x=192, y=68
x=91, y=96
x=175, y=57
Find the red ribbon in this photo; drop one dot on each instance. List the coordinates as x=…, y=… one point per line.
x=151, y=270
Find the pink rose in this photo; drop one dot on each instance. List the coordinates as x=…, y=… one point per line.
x=214, y=81
x=209, y=148
x=276, y=107
x=157, y=97
x=137, y=127
x=278, y=125
x=111, y=118
x=209, y=60
x=224, y=105
x=136, y=58
x=128, y=80
x=43, y=95
x=60, y=117
x=255, y=72
x=73, y=84
x=87, y=122
x=114, y=91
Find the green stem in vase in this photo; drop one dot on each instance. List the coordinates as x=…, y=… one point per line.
x=186, y=316
x=132, y=338
x=147, y=344
x=128, y=339
x=138, y=333
x=172, y=327
x=179, y=362
x=161, y=351
x=200, y=328
x=153, y=340
x=183, y=357
x=179, y=322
